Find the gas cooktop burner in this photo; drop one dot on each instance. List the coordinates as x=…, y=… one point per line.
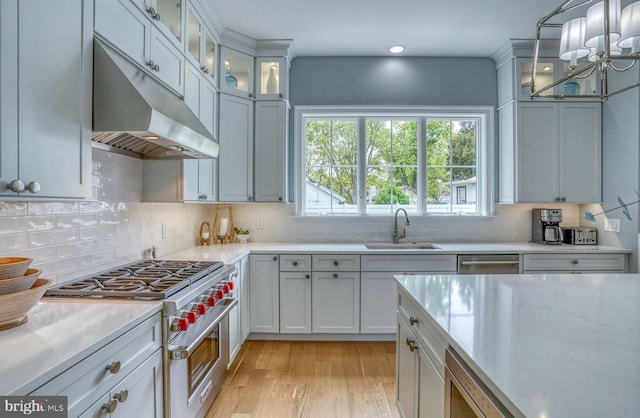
x=153, y=279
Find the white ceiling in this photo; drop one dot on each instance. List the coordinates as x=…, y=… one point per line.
x=369, y=27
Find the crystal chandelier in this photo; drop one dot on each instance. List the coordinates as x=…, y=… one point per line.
x=591, y=43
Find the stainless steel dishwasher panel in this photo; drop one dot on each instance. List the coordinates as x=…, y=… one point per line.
x=489, y=264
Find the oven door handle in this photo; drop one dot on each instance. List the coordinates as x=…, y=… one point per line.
x=183, y=352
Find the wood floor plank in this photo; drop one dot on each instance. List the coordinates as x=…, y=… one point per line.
x=310, y=379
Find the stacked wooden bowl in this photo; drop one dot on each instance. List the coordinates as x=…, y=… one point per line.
x=20, y=290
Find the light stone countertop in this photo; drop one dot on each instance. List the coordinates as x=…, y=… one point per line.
x=230, y=253
x=555, y=346
x=60, y=333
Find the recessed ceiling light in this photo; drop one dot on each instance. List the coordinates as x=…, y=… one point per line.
x=396, y=49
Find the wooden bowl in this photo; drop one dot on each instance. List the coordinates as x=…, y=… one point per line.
x=11, y=267
x=18, y=284
x=14, y=306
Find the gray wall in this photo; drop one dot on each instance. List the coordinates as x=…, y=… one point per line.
x=393, y=81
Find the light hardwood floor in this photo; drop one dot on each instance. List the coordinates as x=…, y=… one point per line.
x=309, y=379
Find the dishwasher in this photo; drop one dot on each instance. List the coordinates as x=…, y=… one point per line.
x=489, y=264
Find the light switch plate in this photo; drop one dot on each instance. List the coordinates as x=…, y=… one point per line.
x=259, y=223
x=165, y=230
x=612, y=225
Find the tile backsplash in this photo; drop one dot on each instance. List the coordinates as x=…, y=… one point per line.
x=68, y=240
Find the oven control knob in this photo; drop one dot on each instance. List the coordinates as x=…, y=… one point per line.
x=219, y=294
x=201, y=308
x=180, y=324
x=192, y=317
x=230, y=284
x=225, y=288
x=211, y=301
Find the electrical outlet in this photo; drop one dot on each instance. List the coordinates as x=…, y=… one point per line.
x=612, y=225
x=259, y=223
x=165, y=230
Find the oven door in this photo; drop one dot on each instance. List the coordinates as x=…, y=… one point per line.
x=197, y=368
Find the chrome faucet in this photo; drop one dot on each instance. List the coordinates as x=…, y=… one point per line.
x=396, y=235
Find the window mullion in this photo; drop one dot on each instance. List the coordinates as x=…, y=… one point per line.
x=421, y=132
x=362, y=166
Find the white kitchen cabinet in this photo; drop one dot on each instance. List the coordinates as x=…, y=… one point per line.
x=270, y=152
x=201, y=48
x=127, y=28
x=191, y=180
x=45, y=107
x=236, y=72
x=272, y=78
x=550, y=152
x=245, y=309
x=235, y=332
x=133, y=357
x=406, y=372
x=235, y=165
x=335, y=302
x=574, y=263
x=295, y=302
x=201, y=96
x=264, y=293
x=166, y=15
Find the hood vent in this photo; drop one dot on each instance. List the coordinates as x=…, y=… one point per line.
x=133, y=112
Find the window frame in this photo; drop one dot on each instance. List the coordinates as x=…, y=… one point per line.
x=485, y=173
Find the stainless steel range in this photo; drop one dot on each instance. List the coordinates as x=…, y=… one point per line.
x=197, y=297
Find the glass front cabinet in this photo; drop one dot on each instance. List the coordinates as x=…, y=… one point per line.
x=201, y=46
x=168, y=13
x=550, y=69
x=236, y=70
x=272, y=78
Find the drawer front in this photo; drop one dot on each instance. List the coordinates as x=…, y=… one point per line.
x=336, y=262
x=295, y=262
x=410, y=263
x=89, y=379
x=570, y=262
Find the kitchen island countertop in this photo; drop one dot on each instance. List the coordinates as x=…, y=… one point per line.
x=58, y=334
x=553, y=346
x=230, y=253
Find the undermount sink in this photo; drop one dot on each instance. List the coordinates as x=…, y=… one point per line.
x=401, y=246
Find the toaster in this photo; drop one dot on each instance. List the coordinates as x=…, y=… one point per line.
x=580, y=235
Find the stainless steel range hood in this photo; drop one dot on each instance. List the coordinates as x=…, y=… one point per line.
x=135, y=113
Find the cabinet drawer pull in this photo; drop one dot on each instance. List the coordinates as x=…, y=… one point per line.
x=114, y=367
x=335, y=275
x=110, y=406
x=16, y=186
x=413, y=320
x=121, y=396
x=33, y=187
x=335, y=263
x=295, y=263
x=574, y=262
x=412, y=344
x=307, y=276
x=275, y=258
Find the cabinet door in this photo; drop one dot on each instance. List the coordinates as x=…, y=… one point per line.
x=236, y=149
x=335, y=302
x=295, y=302
x=430, y=388
x=580, y=152
x=264, y=293
x=200, y=96
x=244, y=298
x=271, y=151
x=236, y=72
x=272, y=78
x=537, y=156
x=9, y=97
x=54, y=89
x=124, y=26
x=406, y=372
x=378, y=298
x=168, y=61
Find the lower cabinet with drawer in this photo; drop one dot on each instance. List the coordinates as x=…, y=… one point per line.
x=575, y=263
x=122, y=379
x=419, y=372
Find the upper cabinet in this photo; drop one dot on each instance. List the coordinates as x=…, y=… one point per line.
x=130, y=30
x=168, y=15
x=46, y=60
x=272, y=78
x=201, y=45
x=514, y=63
x=236, y=69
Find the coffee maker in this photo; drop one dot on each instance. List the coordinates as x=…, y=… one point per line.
x=545, y=226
